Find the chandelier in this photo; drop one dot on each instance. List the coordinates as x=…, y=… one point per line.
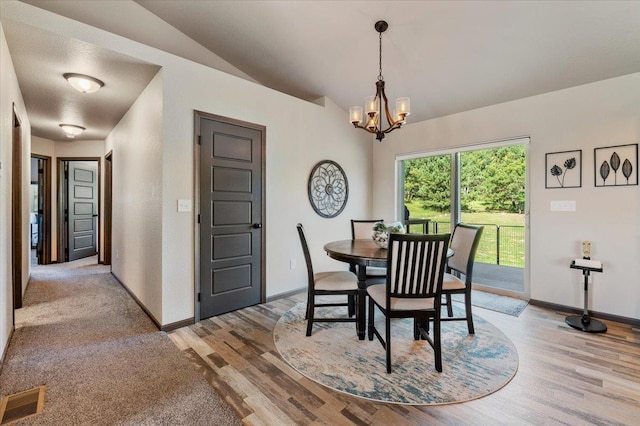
x=373, y=104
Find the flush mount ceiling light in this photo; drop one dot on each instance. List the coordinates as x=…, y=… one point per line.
x=83, y=83
x=373, y=104
x=71, y=130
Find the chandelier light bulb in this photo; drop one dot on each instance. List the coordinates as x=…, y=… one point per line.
x=83, y=83
x=355, y=114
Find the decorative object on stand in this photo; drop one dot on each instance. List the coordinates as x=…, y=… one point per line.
x=373, y=104
x=616, y=165
x=328, y=189
x=380, y=233
x=586, y=249
x=563, y=169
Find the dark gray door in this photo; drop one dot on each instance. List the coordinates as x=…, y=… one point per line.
x=231, y=216
x=40, y=200
x=83, y=209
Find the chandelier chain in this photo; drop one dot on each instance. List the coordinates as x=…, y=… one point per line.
x=380, y=59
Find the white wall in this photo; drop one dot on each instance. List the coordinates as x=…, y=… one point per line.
x=137, y=237
x=67, y=149
x=9, y=95
x=299, y=134
x=601, y=114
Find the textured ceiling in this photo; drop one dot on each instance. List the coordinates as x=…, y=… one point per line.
x=448, y=56
x=41, y=58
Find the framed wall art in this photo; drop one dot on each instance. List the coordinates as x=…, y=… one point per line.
x=563, y=169
x=328, y=189
x=616, y=165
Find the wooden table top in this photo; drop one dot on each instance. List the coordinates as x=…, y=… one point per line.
x=360, y=252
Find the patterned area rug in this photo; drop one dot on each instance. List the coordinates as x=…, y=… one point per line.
x=473, y=366
x=494, y=302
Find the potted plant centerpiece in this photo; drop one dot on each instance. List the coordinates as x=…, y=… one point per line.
x=380, y=232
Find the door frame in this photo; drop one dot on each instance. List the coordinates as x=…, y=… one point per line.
x=16, y=211
x=196, y=211
x=108, y=207
x=455, y=212
x=61, y=182
x=46, y=219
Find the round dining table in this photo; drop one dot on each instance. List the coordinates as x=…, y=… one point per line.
x=362, y=253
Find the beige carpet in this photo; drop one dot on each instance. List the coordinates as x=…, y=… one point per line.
x=101, y=358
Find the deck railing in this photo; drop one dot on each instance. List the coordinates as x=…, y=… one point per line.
x=499, y=245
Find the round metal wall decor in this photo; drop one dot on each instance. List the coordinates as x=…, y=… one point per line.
x=328, y=188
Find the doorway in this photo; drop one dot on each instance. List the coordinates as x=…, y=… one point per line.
x=40, y=210
x=78, y=207
x=108, y=206
x=481, y=185
x=230, y=180
x=16, y=211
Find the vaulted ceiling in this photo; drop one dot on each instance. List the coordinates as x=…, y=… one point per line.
x=448, y=56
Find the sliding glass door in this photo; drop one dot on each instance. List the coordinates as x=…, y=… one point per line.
x=483, y=185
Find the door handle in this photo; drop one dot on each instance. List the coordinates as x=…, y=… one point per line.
x=257, y=225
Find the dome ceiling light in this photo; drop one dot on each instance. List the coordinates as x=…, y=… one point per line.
x=71, y=130
x=83, y=83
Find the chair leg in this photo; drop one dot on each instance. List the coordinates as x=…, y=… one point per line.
x=467, y=305
x=370, y=325
x=388, y=342
x=437, y=350
x=416, y=329
x=449, y=307
x=351, y=301
x=310, y=309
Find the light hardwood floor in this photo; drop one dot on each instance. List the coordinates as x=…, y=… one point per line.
x=565, y=376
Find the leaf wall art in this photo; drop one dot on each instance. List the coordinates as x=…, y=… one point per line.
x=616, y=165
x=563, y=169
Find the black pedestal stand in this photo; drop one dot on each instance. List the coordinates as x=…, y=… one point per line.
x=584, y=322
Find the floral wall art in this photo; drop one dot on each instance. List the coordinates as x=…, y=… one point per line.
x=616, y=165
x=564, y=169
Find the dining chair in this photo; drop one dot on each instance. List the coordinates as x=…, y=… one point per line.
x=464, y=242
x=361, y=230
x=415, y=265
x=328, y=284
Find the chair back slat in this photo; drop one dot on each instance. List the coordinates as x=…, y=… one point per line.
x=361, y=229
x=416, y=264
x=464, y=242
x=307, y=255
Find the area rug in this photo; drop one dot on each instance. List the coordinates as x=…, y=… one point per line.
x=473, y=365
x=494, y=302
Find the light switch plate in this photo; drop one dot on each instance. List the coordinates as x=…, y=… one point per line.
x=184, y=205
x=563, y=206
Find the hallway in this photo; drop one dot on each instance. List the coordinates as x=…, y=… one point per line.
x=100, y=357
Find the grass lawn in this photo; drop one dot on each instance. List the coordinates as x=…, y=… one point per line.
x=509, y=225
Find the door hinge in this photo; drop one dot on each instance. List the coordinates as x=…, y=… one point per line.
x=198, y=217
x=199, y=140
x=198, y=297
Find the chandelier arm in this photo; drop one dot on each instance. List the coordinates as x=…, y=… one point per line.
x=365, y=128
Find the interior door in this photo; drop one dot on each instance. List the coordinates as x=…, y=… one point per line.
x=82, y=187
x=231, y=216
x=40, y=201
